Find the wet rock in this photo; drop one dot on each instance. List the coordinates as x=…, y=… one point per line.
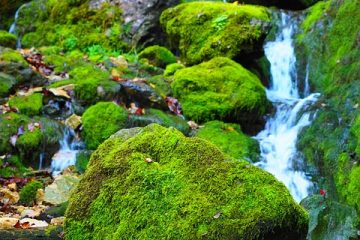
x=74, y=121
x=329, y=219
x=33, y=223
x=161, y=118
x=141, y=18
x=32, y=234
x=12, y=63
x=59, y=191
x=142, y=94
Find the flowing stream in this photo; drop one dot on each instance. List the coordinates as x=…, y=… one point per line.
x=278, y=140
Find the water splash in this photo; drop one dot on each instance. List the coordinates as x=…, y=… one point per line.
x=66, y=156
x=278, y=140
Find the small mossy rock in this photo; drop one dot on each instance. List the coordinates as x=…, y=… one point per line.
x=7, y=39
x=171, y=69
x=220, y=89
x=159, y=117
x=158, y=56
x=203, y=30
x=162, y=185
x=32, y=142
x=230, y=139
x=102, y=120
x=13, y=63
x=7, y=83
x=27, y=105
x=324, y=212
x=12, y=167
x=28, y=192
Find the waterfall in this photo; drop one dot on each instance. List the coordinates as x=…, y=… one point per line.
x=66, y=156
x=13, y=29
x=278, y=140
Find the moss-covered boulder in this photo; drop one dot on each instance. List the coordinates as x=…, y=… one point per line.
x=203, y=30
x=220, y=89
x=159, y=184
x=101, y=121
x=11, y=166
x=172, y=68
x=7, y=39
x=7, y=83
x=28, y=105
x=159, y=117
x=231, y=140
x=29, y=137
x=158, y=56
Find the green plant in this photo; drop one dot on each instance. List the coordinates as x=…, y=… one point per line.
x=28, y=192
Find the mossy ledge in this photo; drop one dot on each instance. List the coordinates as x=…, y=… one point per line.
x=159, y=184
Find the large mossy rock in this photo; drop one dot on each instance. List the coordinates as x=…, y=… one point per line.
x=203, y=30
x=220, y=89
x=101, y=121
x=159, y=184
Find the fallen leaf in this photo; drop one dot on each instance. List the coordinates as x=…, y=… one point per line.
x=20, y=131
x=217, y=215
x=148, y=160
x=193, y=125
x=174, y=105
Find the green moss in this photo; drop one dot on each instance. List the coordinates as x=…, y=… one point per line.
x=314, y=14
x=91, y=83
x=159, y=117
x=28, y=105
x=190, y=191
x=6, y=84
x=30, y=144
x=71, y=25
x=158, y=56
x=329, y=43
x=172, y=68
x=230, y=139
x=203, y=30
x=82, y=160
x=7, y=39
x=12, y=167
x=11, y=56
x=218, y=89
x=28, y=192
x=101, y=121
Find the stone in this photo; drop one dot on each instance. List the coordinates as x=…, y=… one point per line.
x=34, y=223
x=58, y=192
x=119, y=62
x=74, y=121
x=59, y=221
x=7, y=222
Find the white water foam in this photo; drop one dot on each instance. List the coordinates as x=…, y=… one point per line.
x=278, y=140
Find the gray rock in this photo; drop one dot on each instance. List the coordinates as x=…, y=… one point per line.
x=141, y=18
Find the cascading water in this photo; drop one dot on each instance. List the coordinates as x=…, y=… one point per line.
x=13, y=27
x=278, y=140
x=66, y=156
